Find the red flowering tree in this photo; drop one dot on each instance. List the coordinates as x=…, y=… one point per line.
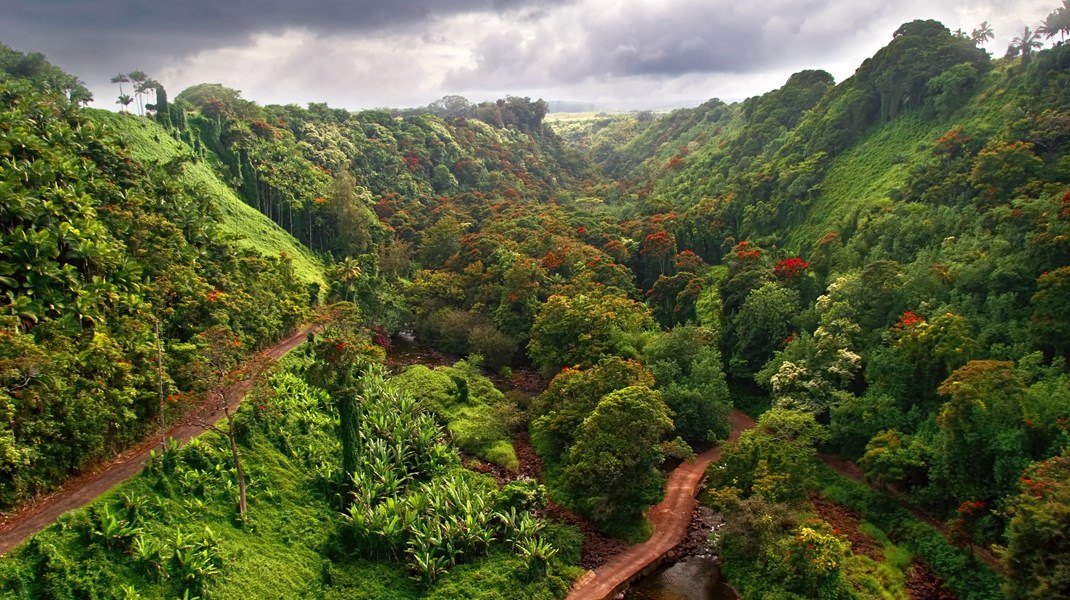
x=963, y=526
x=213, y=368
x=658, y=248
x=745, y=252
x=618, y=250
x=790, y=268
x=687, y=260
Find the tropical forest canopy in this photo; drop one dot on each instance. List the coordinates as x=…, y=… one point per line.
x=881, y=266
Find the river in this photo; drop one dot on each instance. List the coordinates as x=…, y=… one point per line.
x=694, y=578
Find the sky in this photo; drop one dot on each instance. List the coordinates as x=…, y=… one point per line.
x=357, y=54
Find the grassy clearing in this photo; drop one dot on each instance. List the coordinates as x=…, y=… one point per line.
x=148, y=142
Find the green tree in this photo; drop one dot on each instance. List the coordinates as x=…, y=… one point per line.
x=686, y=365
x=982, y=34
x=761, y=326
x=580, y=330
x=348, y=271
x=983, y=442
x=124, y=100
x=1001, y=169
x=775, y=459
x=889, y=459
x=1024, y=44
x=441, y=241
x=615, y=482
x=1038, y=549
x=1050, y=321
x=343, y=355
x=1057, y=22
x=572, y=396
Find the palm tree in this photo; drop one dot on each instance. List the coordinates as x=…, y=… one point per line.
x=124, y=100
x=348, y=272
x=1026, y=43
x=121, y=78
x=1057, y=22
x=982, y=34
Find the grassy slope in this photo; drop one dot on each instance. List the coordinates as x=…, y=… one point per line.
x=881, y=161
x=147, y=141
x=863, y=176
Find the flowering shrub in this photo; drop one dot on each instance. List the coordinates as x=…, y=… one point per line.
x=790, y=268
x=909, y=320
x=744, y=251
x=814, y=556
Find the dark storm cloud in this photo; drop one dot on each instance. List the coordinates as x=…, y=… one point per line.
x=682, y=37
x=362, y=53
x=95, y=37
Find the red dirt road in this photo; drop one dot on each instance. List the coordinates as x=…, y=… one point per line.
x=85, y=488
x=670, y=519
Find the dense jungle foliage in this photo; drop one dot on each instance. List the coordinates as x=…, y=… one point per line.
x=879, y=268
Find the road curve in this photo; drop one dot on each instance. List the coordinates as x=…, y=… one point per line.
x=82, y=490
x=670, y=519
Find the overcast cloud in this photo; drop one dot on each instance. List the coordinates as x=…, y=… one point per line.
x=369, y=53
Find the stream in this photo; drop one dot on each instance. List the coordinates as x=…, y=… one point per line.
x=694, y=578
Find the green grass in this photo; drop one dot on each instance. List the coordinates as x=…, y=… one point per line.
x=863, y=176
x=148, y=142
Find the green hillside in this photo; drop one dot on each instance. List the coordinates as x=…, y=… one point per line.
x=875, y=269
x=149, y=142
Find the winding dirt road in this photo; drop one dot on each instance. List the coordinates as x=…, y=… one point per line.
x=670, y=519
x=83, y=489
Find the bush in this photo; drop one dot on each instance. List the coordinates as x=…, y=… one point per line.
x=497, y=348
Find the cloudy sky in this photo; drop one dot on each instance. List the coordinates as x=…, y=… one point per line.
x=373, y=53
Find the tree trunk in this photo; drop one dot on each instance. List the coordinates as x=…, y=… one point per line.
x=237, y=462
x=159, y=386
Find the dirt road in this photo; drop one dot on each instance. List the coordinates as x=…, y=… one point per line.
x=85, y=488
x=670, y=519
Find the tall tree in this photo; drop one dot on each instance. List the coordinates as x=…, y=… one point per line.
x=1025, y=44
x=1038, y=549
x=616, y=481
x=138, y=78
x=123, y=100
x=213, y=367
x=982, y=34
x=1057, y=22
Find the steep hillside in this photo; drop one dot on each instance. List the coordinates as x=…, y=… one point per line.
x=107, y=263
x=148, y=142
